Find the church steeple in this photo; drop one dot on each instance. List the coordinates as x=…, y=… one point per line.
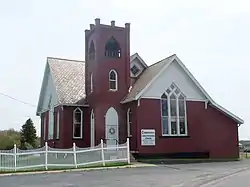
x=107, y=59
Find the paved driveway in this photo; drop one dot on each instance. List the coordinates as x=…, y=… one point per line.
x=190, y=175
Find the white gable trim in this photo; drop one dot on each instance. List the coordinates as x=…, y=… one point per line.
x=136, y=55
x=47, y=72
x=213, y=103
x=153, y=80
x=39, y=110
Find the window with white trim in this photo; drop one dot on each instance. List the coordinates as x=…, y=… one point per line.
x=58, y=125
x=129, y=122
x=113, y=80
x=173, y=112
x=44, y=127
x=77, y=123
x=91, y=82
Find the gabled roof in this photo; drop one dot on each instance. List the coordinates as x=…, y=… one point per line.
x=68, y=77
x=155, y=70
x=145, y=79
x=136, y=55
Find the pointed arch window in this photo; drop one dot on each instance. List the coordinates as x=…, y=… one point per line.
x=91, y=82
x=77, y=123
x=58, y=125
x=173, y=109
x=113, y=80
x=112, y=48
x=129, y=122
x=91, y=51
x=44, y=127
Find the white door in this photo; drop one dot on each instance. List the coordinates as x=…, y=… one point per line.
x=111, y=127
x=92, y=129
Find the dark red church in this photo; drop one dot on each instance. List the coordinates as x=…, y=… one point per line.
x=113, y=95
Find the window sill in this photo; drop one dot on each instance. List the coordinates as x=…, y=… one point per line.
x=77, y=138
x=171, y=136
x=113, y=90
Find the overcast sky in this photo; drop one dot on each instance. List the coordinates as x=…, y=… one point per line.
x=212, y=39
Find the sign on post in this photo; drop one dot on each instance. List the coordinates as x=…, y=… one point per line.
x=148, y=137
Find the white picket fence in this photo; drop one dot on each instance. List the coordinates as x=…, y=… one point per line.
x=52, y=158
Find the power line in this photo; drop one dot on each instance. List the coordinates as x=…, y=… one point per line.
x=18, y=100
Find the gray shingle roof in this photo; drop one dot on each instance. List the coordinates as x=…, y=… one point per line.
x=69, y=79
x=146, y=77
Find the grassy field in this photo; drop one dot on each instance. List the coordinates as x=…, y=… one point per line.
x=244, y=155
x=107, y=165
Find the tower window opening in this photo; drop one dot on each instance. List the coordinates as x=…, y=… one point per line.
x=91, y=52
x=112, y=48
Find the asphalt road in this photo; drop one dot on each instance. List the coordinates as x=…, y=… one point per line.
x=189, y=175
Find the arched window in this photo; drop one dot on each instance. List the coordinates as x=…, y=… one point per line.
x=113, y=80
x=173, y=110
x=77, y=123
x=112, y=48
x=91, y=82
x=129, y=122
x=58, y=125
x=91, y=52
x=51, y=119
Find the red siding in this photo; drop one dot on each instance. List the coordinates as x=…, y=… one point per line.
x=208, y=130
x=66, y=128
x=101, y=99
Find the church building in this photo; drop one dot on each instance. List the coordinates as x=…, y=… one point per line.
x=113, y=95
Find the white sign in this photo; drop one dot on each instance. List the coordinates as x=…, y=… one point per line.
x=148, y=137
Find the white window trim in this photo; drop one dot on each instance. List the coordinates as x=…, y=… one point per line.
x=129, y=122
x=44, y=127
x=116, y=80
x=58, y=125
x=51, y=124
x=177, y=113
x=91, y=82
x=76, y=123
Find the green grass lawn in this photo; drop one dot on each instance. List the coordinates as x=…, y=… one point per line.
x=244, y=155
x=107, y=165
x=67, y=162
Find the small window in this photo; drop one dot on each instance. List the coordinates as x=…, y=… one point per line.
x=135, y=69
x=44, y=127
x=113, y=80
x=91, y=82
x=129, y=122
x=112, y=48
x=58, y=125
x=77, y=123
x=91, y=52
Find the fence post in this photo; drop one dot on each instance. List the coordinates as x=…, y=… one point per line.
x=15, y=157
x=128, y=151
x=74, y=150
x=46, y=155
x=102, y=148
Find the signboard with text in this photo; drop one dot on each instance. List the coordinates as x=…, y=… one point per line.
x=148, y=137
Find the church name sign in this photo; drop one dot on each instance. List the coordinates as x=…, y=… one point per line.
x=148, y=137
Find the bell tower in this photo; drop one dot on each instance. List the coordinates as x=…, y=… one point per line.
x=107, y=72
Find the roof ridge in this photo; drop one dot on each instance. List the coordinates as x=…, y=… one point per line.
x=161, y=60
x=65, y=59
